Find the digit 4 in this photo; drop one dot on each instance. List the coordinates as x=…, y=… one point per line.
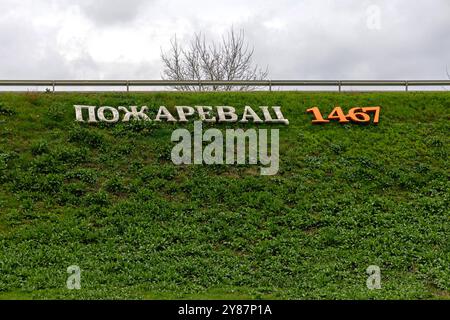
x=338, y=114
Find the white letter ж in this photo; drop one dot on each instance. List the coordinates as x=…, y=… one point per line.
x=134, y=113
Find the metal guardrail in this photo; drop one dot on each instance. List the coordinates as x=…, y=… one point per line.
x=257, y=83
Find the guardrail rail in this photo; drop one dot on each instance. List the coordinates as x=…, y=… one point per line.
x=126, y=84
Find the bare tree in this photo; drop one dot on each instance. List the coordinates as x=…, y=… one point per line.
x=230, y=59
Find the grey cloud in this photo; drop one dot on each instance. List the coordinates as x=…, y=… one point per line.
x=412, y=43
x=324, y=39
x=111, y=12
x=25, y=53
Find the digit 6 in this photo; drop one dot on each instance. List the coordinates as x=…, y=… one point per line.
x=356, y=115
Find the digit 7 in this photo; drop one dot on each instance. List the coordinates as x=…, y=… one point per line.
x=376, y=110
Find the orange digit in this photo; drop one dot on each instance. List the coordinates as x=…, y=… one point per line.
x=317, y=115
x=338, y=114
x=356, y=115
x=376, y=110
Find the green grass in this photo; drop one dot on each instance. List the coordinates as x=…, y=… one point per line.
x=108, y=199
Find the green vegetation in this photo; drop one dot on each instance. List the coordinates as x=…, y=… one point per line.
x=108, y=199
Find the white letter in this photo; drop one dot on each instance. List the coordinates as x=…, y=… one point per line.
x=280, y=117
x=101, y=115
x=203, y=114
x=182, y=114
x=249, y=113
x=230, y=111
x=268, y=117
x=164, y=113
x=134, y=113
x=79, y=113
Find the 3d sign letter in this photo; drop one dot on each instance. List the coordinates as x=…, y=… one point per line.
x=183, y=113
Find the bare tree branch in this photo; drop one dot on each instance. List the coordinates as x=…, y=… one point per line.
x=230, y=59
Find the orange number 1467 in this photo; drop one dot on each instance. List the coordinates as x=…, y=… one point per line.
x=357, y=115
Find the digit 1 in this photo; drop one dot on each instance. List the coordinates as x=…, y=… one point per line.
x=317, y=115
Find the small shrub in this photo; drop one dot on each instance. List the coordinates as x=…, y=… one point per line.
x=46, y=163
x=85, y=136
x=6, y=111
x=50, y=183
x=55, y=112
x=99, y=198
x=84, y=175
x=115, y=185
x=70, y=155
x=39, y=147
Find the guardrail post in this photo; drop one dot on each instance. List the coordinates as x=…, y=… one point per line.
x=53, y=86
x=270, y=85
x=340, y=86
x=406, y=86
x=128, y=86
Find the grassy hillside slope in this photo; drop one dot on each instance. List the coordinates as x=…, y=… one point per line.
x=108, y=199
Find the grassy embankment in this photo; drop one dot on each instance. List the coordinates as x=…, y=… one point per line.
x=108, y=198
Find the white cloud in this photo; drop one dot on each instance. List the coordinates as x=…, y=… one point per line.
x=275, y=24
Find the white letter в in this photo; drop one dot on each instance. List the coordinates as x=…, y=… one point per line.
x=224, y=111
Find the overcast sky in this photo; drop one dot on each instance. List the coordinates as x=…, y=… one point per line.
x=296, y=39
